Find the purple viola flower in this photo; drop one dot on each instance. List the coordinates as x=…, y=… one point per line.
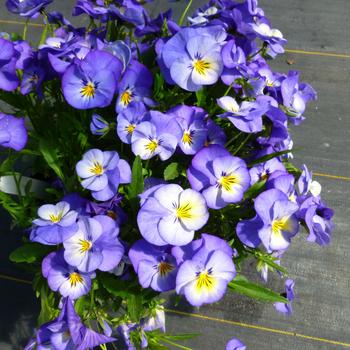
x=295, y=96
x=56, y=223
x=99, y=126
x=286, y=308
x=207, y=241
x=192, y=57
x=318, y=219
x=155, y=266
x=204, y=278
x=193, y=127
x=102, y=172
x=63, y=278
x=33, y=77
x=156, y=321
x=235, y=344
x=155, y=136
x=216, y=135
x=220, y=177
x=246, y=116
x=93, y=9
x=307, y=185
x=95, y=245
x=25, y=53
x=27, y=8
x=8, y=58
x=203, y=17
x=121, y=50
x=135, y=85
x=92, y=82
x=275, y=223
x=171, y=215
x=262, y=171
x=13, y=133
x=284, y=182
x=128, y=119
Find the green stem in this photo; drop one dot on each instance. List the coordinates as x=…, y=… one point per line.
x=228, y=89
x=242, y=144
x=185, y=12
x=25, y=30
x=228, y=143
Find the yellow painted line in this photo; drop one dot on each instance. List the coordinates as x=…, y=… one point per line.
x=261, y=328
x=319, y=53
x=30, y=24
x=15, y=279
x=338, y=177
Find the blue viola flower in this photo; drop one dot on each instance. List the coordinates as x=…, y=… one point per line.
x=193, y=57
x=155, y=266
x=95, y=245
x=286, y=308
x=92, y=82
x=235, y=344
x=13, y=132
x=27, y=8
x=8, y=59
x=220, y=177
x=56, y=223
x=99, y=126
x=102, y=172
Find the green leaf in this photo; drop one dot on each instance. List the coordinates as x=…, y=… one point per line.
x=134, y=306
x=268, y=157
x=201, y=97
x=254, y=190
x=171, y=172
x=291, y=168
x=116, y=286
x=47, y=300
x=137, y=184
x=243, y=286
x=29, y=253
x=50, y=154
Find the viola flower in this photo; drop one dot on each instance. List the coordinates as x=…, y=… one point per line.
x=171, y=215
x=306, y=185
x=63, y=278
x=235, y=344
x=318, y=219
x=216, y=135
x=155, y=136
x=102, y=172
x=155, y=266
x=8, y=58
x=246, y=117
x=95, y=245
x=205, y=277
x=193, y=56
x=135, y=85
x=202, y=18
x=193, y=127
x=99, y=126
x=274, y=225
x=286, y=308
x=27, y=8
x=263, y=171
x=92, y=82
x=121, y=50
x=55, y=224
x=284, y=182
x=32, y=79
x=13, y=132
x=220, y=177
x=128, y=119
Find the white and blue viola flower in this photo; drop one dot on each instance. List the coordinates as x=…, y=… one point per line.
x=193, y=57
x=221, y=177
x=64, y=278
x=156, y=136
x=56, y=223
x=102, y=172
x=95, y=245
x=171, y=215
x=203, y=279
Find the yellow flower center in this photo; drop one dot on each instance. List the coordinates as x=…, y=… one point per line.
x=164, y=268
x=184, y=211
x=279, y=225
x=130, y=128
x=97, y=169
x=75, y=278
x=187, y=137
x=201, y=66
x=227, y=182
x=205, y=281
x=126, y=97
x=88, y=90
x=152, y=145
x=84, y=245
x=55, y=218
